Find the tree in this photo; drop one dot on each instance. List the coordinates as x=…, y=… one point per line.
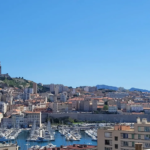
x=105, y=107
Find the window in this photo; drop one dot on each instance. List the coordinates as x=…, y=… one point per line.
x=132, y=136
x=107, y=134
x=139, y=136
x=147, y=129
x=139, y=128
x=107, y=142
x=116, y=146
x=108, y=148
x=147, y=137
x=132, y=144
x=147, y=145
x=125, y=143
x=125, y=135
x=116, y=138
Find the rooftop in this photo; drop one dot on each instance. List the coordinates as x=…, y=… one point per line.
x=74, y=146
x=8, y=145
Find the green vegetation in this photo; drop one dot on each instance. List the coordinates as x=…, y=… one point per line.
x=105, y=90
x=42, y=89
x=63, y=120
x=15, y=82
x=105, y=107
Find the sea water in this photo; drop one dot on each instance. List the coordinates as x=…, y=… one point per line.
x=59, y=140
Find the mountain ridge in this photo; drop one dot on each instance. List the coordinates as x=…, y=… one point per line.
x=116, y=88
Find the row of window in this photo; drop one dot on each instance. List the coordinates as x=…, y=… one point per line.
x=126, y=136
x=144, y=129
x=34, y=116
x=125, y=143
x=110, y=148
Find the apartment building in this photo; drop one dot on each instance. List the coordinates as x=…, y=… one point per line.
x=1, y=116
x=63, y=97
x=35, y=88
x=123, y=137
x=117, y=94
x=3, y=107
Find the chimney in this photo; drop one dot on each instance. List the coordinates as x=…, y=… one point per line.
x=138, y=146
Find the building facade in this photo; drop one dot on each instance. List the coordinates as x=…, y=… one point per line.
x=123, y=137
x=35, y=88
x=3, y=107
x=22, y=119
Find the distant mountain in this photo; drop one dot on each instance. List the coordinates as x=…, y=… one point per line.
x=106, y=87
x=116, y=88
x=141, y=90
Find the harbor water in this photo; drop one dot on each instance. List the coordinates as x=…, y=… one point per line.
x=59, y=140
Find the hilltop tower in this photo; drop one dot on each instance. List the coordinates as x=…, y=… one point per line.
x=0, y=69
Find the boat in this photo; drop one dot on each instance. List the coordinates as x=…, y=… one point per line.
x=48, y=134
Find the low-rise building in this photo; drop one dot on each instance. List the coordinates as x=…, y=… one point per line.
x=112, y=108
x=9, y=147
x=25, y=119
x=70, y=147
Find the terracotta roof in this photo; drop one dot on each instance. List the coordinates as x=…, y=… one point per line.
x=100, y=106
x=30, y=112
x=76, y=99
x=75, y=147
x=146, y=108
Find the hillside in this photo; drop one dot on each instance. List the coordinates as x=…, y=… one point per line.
x=21, y=84
x=15, y=82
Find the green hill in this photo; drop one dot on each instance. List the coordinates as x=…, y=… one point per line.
x=21, y=83
x=15, y=82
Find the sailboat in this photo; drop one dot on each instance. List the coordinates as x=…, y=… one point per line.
x=48, y=134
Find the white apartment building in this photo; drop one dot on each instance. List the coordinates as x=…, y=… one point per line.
x=117, y=94
x=52, y=88
x=9, y=99
x=92, y=89
x=65, y=89
x=87, y=105
x=122, y=137
x=73, y=91
x=94, y=105
x=3, y=107
x=56, y=90
x=86, y=89
x=29, y=90
x=123, y=104
x=63, y=97
x=134, y=107
x=1, y=116
x=112, y=108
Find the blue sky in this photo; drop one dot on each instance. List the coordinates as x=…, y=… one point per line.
x=77, y=42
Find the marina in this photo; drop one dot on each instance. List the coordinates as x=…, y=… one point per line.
x=59, y=140
x=46, y=133
x=47, y=136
